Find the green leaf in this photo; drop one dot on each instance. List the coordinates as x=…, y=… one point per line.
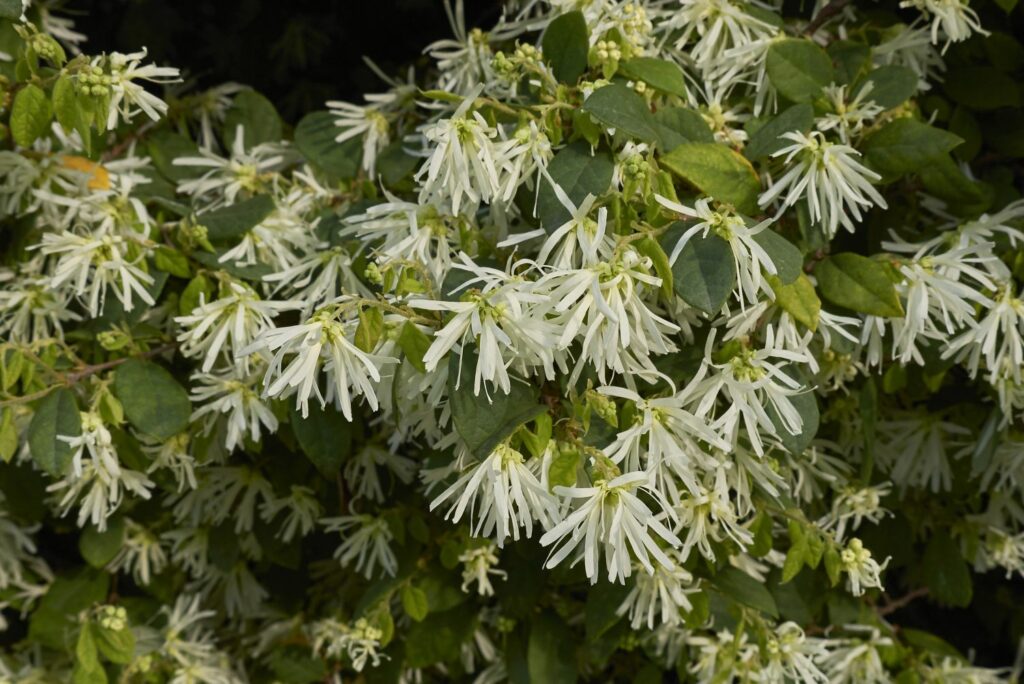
x=788, y=261
x=116, y=646
x=57, y=416
x=565, y=44
x=579, y=173
x=10, y=9
x=484, y=422
x=906, y=145
x=798, y=298
x=704, y=274
x=414, y=601
x=678, y=125
x=257, y=116
x=741, y=587
x=414, y=343
x=982, y=88
x=832, y=564
x=99, y=548
x=563, y=469
x=651, y=248
x=852, y=60
x=30, y=115
x=806, y=404
x=619, y=107
x=234, y=221
x=767, y=140
x=295, y=665
x=324, y=436
x=796, y=556
x=59, y=608
x=946, y=572
x=762, y=529
x=799, y=69
x=70, y=113
x=315, y=139
x=718, y=171
x=370, y=329
x=891, y=85
x=171, y=261
x=154, y=402
x=198, y=290
x=550, y=651
x=438, y=637
x=86, y=654
x=859, y=284
x=660, y=74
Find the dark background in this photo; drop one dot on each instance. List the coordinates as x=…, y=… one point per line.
x=297, y=52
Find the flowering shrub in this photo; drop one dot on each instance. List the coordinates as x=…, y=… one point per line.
x=632, y=340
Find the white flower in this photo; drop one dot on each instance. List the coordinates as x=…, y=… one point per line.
x=603, y=307
x=117, y=73
x=709, y=514
x=237, y=399
x=857, y=661
x=1002, y=550
x=479, y=563
x=301, y=511
x=914, y=449
x=367, y=121
x=318, y=277
x=911, y=47
x=362, y=476
x=848, y=116
x=852, y=506
x=141, y=554
x=998, y=337
x=31, y=310
x=225, y=493
x=466, y=158
x=750, y=382
x=791, y=656
x=611, y=521
x=366, y=542
x=247, y=172
x=173, y=455
x=659, y=598
x=748, y=255
x=89, y=266
x=504, y=321
x=502, y=494
x=580, y=241
x=954, y=19
x=227, y=325
x=359, y=642
x=321, y=344
x=827, y=174
x=712, y=27
x=862, y=571
x=279, y=241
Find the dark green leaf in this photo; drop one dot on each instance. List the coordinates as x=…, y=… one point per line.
x=982, y=88
x=579, y=173
x=806, y=404
x=10, y=9
x=99, y=548
x=704, y=274
x=788, y=261
x=550, y=652
x=859, y=284
x=741, y=587
x=906, y=145
x=414, y=343
x=946, y=572
x=619, y=107
x=767, y=140
x=324, y=436
x=234, y=221
x=57, y=416
x=438, y=637
x=154, y=402
x=415, y=603
x=891, y=85
x=116, y=646
x=57, y=611
x=257, y=116
x=565, y=45
x=799, y=69
x=678, y=125
x=660, y=74
x=484, y=422
x=718, y=171
x=315, y=139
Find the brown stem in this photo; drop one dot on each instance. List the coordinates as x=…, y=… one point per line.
x=895, y=604
x=74, y=377
x=827, y=12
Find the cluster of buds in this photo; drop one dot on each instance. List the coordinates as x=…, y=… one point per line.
x=92, y=81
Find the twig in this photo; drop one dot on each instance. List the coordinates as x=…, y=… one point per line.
x=74, y=377
x=895, y=604
x=827, y=12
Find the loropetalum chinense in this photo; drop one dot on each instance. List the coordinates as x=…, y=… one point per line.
x=660, y=340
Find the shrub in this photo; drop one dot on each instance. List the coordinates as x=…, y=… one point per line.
x=636, y=340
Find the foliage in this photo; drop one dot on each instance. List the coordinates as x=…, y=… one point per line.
x=645, y=341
